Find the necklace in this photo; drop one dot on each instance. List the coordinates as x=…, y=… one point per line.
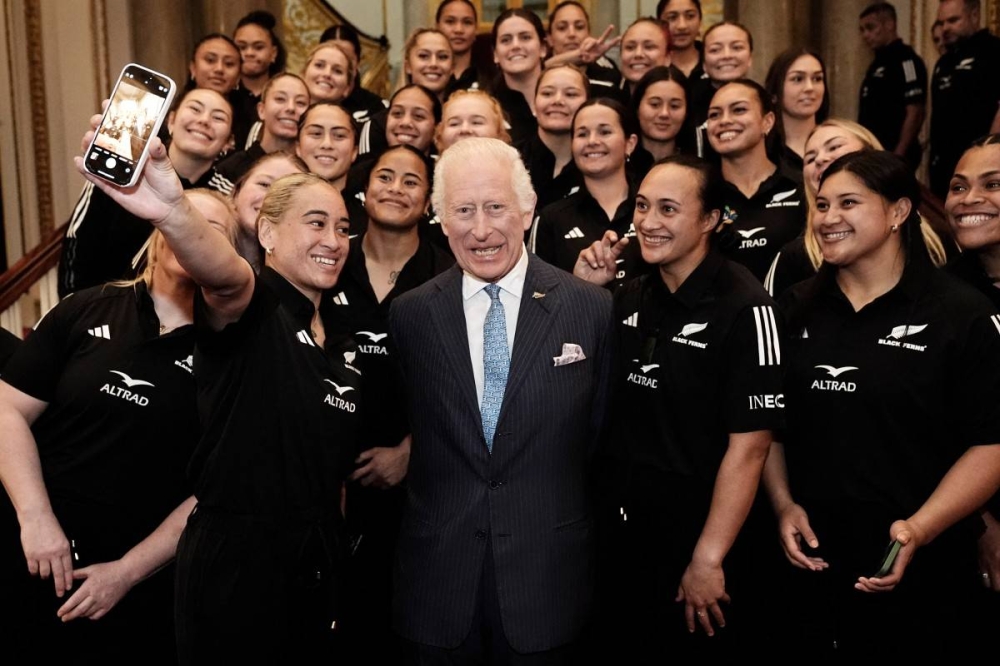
x=393, y=275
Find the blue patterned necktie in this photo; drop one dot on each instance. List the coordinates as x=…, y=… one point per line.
x=496, y=363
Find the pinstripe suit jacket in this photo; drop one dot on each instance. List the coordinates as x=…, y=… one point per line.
x=531, y=495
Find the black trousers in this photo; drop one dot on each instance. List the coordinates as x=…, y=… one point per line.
x=257, y=592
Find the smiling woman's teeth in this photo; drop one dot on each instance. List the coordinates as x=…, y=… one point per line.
x=326, y=261
x=836, y=236
x=974, y=218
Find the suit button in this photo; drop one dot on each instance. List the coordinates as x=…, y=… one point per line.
x=480, y=534
x=495, y=484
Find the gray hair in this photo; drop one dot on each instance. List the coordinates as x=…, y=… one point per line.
x=467, y=153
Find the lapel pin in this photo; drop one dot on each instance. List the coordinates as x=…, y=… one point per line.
x=538, y=294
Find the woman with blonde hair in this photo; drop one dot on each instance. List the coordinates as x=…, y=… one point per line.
x=99, y=418
x=329, y=72
x=801, y=258
x=468, y=113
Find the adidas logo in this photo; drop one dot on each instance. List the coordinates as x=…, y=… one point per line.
x=574, y=233
x=632, y=320
x=100, y=332
x=304, y=337
x=340, y=299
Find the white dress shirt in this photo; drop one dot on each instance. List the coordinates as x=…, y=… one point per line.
x=476, y=303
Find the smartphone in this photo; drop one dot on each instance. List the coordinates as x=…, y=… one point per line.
x=139, y=103
x=890, y=556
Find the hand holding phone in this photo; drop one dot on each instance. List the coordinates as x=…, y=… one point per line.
x=139, y=103
x=888, y=559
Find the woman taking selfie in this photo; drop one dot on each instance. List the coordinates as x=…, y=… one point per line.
x=107, y=369
x=267, y=531
x=913, y=356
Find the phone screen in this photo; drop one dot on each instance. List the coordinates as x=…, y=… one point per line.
x=133, y=114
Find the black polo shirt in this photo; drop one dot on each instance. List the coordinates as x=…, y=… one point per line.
x=8, y=345
x=541, y=165
x=896, y=79
x=279, y=413
x=790, y=266
x=519, y=115
x=356, y=312
x=756, y=228
x=790, y=163
x=469, y=80
x=102, y=238
x=371, y=136
x=356, y=213
x=967, y=267
x=244, y=104
x=881, y=402
x=234, y=165
x=363, y=103
x=563, y=229
x=695, y=366
x=121, y=423
x=604, y=77
x=965, y=93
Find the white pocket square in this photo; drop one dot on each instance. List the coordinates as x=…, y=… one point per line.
x=570, y=354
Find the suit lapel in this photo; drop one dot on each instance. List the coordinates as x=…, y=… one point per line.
x=448, y=314
x=539, y=304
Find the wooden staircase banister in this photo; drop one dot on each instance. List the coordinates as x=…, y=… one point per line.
x=30, y=268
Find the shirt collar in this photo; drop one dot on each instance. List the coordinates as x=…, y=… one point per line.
x=696, y=286
x=294, y=300
x=512, y=283
x=912, y=284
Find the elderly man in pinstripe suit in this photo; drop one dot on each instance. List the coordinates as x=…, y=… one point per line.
x=506, y=361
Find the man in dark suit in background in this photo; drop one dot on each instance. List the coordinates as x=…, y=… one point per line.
x=506, y=362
